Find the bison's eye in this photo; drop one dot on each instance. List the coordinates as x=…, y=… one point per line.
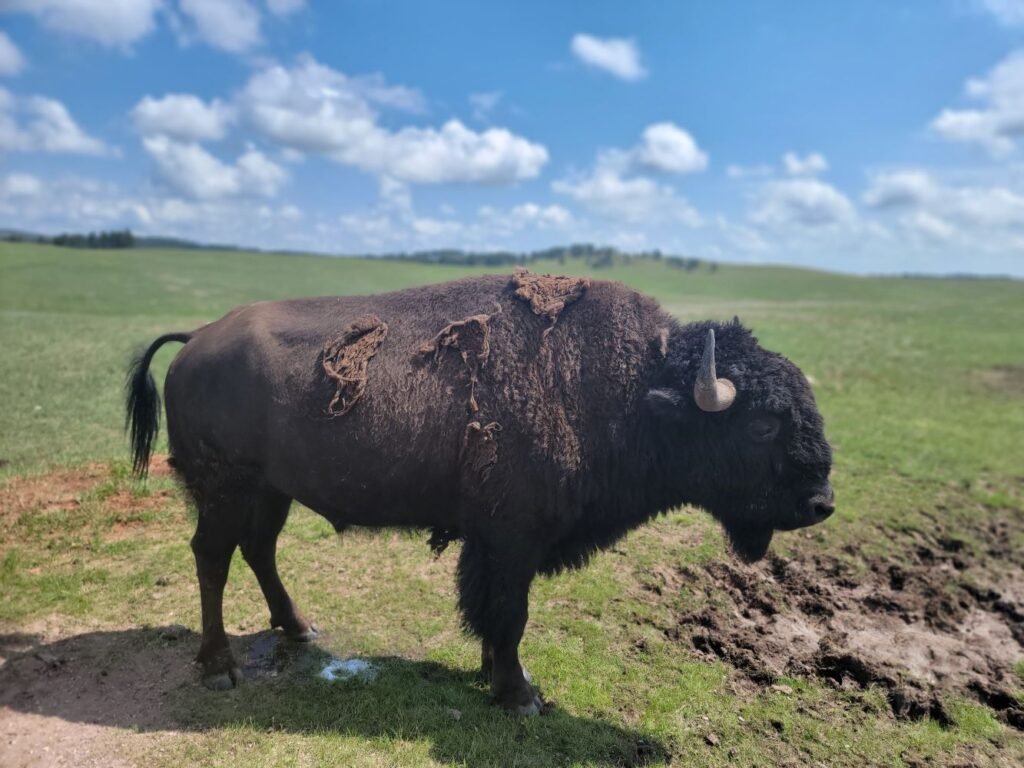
x=763, y=428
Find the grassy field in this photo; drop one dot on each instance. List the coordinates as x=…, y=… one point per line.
x=922, y=386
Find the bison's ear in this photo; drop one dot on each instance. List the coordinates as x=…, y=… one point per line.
x=665, y=402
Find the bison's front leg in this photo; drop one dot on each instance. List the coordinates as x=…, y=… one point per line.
x=494, y=586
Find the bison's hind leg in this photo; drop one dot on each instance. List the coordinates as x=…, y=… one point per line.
x=236, y=507
x=259, y=547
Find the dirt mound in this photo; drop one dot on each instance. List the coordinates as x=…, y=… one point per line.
x=947, y=619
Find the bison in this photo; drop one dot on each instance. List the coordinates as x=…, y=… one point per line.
x=537, y=419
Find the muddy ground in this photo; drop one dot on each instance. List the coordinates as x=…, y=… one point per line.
x=946, y=618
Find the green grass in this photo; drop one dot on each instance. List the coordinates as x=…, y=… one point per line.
x=921, y=383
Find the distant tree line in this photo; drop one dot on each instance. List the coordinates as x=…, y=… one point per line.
x=594, y=256
x=117, y=238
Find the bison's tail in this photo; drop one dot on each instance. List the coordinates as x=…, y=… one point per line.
x=142, y=420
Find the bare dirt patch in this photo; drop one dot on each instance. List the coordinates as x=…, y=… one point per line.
x=1003, y=378
x=85, y=700
x=947, y=618
x=66, y=489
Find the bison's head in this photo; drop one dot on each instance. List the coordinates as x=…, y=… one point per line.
x=744, y=435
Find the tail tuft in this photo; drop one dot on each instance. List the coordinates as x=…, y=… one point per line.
x=142, y=418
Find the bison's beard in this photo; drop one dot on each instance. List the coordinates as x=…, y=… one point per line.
x=749, y=544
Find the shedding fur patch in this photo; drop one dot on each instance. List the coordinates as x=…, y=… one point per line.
x=472, y=339
x=346, y=358
x=663, y=334
x=479, y=451
x=548, y=295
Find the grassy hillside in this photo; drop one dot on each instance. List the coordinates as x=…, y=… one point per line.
x=922, y=386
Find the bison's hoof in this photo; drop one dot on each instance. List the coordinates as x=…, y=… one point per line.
x=535, y=707
x=526, y=701
x=303, y=634
x=223, y=681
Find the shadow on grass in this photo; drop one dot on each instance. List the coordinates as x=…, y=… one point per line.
x=144, y=680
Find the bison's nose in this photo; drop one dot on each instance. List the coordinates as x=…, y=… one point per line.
x=822, y=506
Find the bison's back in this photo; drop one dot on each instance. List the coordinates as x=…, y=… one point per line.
x=388, y=408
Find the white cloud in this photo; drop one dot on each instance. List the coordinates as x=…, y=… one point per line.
x=617, y=56
x=11, y=60
x=483, y=104
x=616, y=187
x=734, y=171
x=231, y=25
x=667, y=147
x=182, y=116
x=982, y=217
x=1009, y=13
x=525, y=215
x=999, y=123
x=190, y=170
x=49, y=127
x=285, y=7
x=801, y=202
x=108, y=22
x=635, y=199
x=313, y=108
x=20, y=185
x=897, y=189
x=809, y=165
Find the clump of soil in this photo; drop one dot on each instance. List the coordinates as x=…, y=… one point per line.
x=947, y=619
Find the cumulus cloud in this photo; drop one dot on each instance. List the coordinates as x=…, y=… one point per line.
x=40, y=124
x=634, y=199
x=231, y=25
x=108, y=22
x=735, y=171
x=20, y=185
x=483, y=104
x=11, y=60
x=987, y=210
x=285, y=7
x=313, y=108
x=525, y=215
x=617, y=187
x=190, y=170
x=999, y=122
x=182, y=116
x=897, y=189
x=802, y=202
x=667, y=147
x=1009, y=13
x=809, y=165
x=617, y=56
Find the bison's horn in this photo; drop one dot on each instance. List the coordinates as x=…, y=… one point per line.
x=712, y=393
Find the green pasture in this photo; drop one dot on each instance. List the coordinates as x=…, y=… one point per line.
x=921, y=382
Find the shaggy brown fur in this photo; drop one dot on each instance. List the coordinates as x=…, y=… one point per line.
x=346, y=358
x=599, y=431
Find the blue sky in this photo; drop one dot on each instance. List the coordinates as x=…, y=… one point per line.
x=869, y=136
